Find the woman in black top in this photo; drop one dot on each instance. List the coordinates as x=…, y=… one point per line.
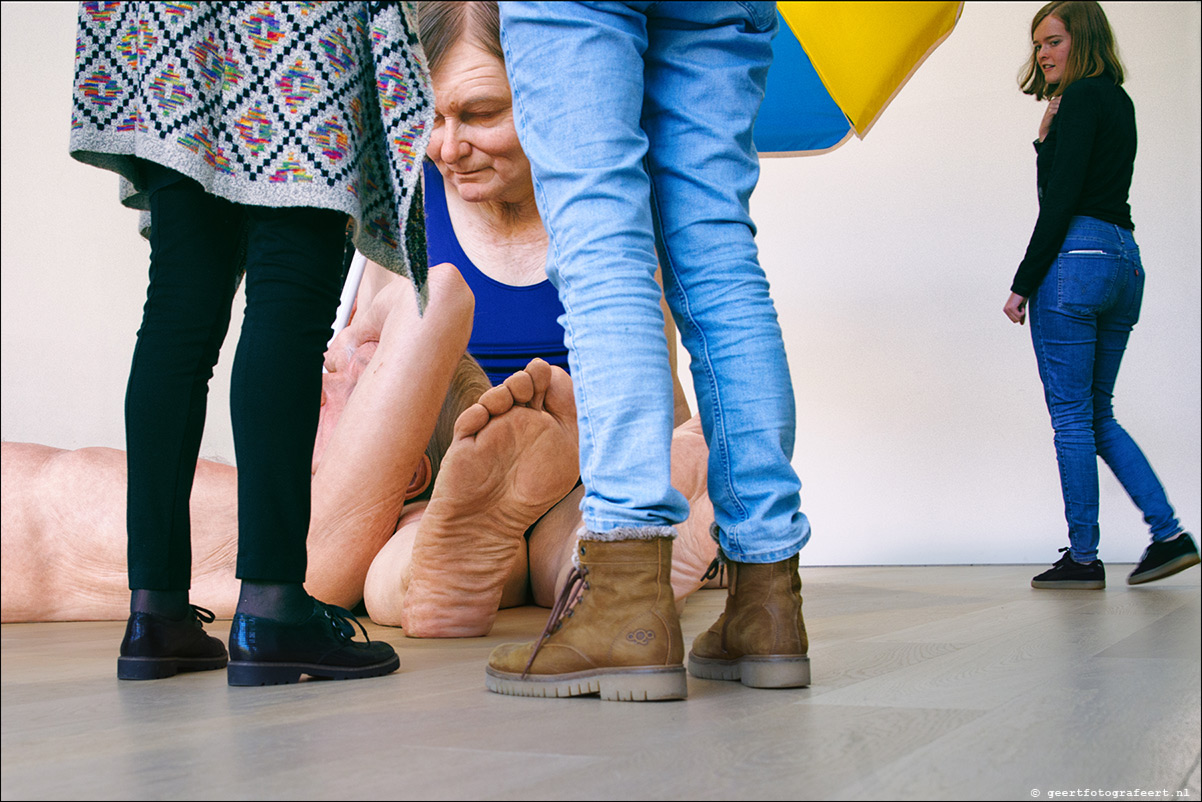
x=1083, y=277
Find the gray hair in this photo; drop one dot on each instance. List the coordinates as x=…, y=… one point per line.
x=441, y=25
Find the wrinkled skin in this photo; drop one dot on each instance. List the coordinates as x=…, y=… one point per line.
x=512, y=467
x=64, y=511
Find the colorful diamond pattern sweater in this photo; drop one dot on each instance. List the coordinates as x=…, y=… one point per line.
x=322, y=104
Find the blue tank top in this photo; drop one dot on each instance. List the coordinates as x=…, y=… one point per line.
x=512, y=324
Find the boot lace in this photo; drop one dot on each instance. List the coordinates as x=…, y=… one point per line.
x=564, y=606
x=717, y=568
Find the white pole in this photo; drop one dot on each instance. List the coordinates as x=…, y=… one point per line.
x=354, y=277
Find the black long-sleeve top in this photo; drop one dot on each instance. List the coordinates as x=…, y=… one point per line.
x=1083, y=167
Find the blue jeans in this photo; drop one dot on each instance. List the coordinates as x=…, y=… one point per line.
x=637, y=120
x=1081, y=317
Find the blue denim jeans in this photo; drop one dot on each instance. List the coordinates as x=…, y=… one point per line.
x=1081, y=317
x=637, y=120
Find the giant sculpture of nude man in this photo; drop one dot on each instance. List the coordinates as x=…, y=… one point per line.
x=440, y=568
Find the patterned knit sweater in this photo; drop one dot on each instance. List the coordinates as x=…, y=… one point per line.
x=323, y=104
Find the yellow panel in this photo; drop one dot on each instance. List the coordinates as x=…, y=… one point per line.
x=864, y=52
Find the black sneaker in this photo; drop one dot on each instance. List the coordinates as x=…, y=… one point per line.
x=1165, y=559
x=1068, y=573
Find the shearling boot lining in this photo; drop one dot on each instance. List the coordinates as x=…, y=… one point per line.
x=629, y=533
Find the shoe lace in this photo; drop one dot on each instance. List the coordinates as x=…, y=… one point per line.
x=1066, y=560
x=564, y=606
x=341, y=620
x=202, y=615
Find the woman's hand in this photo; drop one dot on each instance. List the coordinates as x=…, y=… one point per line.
x=1049, y=113
x=1016, y=308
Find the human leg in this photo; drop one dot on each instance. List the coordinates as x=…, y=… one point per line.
x=56, y=500
x=64, y=534
x=292, y=287
x=1064, y=330
x=213, y=512
x=1114, y=445
x=703, y=93
x=496, y=509
x=194, y=237
x=551, y=547
x=192, y=281
x=602, y=253
x=602, y=260
x=601, y=333
x=1172, y=550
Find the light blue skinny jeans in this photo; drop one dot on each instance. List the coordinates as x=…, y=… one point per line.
x=637, y=120
x=1081, y=317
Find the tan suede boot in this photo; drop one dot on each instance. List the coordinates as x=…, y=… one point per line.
x=760, y=639
x=621, y=639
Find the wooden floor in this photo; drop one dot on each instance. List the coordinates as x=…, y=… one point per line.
x=929, y=683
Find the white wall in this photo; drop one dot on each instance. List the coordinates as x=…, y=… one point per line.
x=922, y=435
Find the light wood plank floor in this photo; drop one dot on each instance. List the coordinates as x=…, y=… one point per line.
x=948, y=682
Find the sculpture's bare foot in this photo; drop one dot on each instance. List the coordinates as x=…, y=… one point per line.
x=553, y=540
x=694, y=548
x=514, y=455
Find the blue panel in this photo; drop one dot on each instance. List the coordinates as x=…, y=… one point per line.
x=798, y=113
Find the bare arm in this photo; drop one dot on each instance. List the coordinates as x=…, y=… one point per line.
x=375, y=279
x=373, y=450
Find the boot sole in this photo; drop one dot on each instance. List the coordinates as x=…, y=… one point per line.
x=755, y=671
x=1168, y=569
x=142, y=668
x=612, y=685
x=243, y=673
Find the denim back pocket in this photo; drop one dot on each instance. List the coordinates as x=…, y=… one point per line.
x=1085, y=280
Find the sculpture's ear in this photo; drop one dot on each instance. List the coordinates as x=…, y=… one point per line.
x=421, y=478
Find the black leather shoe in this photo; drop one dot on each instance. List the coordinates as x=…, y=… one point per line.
x=268, y=652
x=156, y=647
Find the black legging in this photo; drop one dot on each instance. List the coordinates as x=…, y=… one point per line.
x=293, y=266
